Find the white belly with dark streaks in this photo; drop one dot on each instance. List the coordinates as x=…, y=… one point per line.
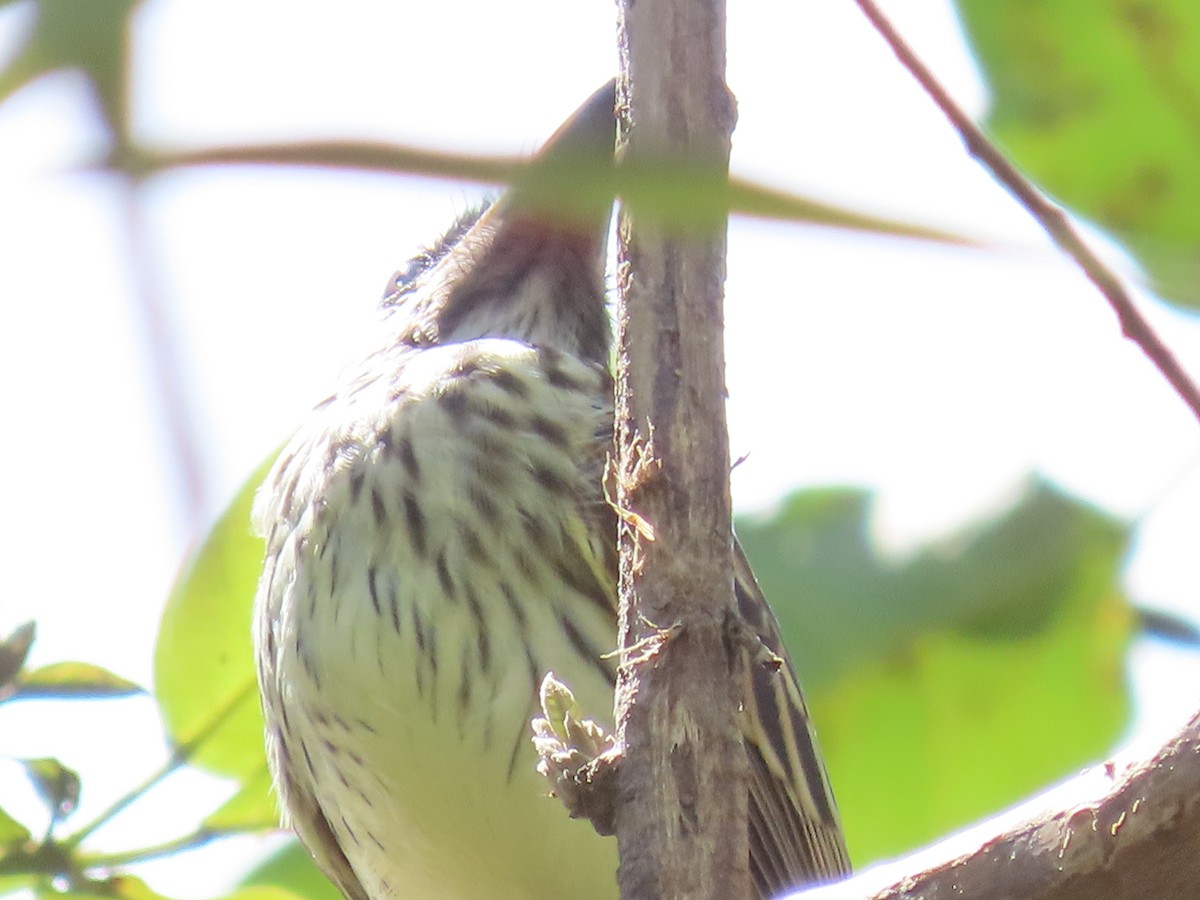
x=402, y=601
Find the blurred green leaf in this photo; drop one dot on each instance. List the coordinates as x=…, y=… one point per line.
x=13, y=652
x=841, y=603
x=90, y=37
x=204, y=662
x=74, y=681
x=252, y=808
x=954, y=683
x=293, y=869
x=56, y=785
x=122, y=887
x=270, y=892
x=11, y=831
x=1100, y=104
x=1168, y=626
x=129, y=888
x=126, y=887
x=10, y=884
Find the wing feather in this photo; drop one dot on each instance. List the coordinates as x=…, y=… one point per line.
x=795, y=834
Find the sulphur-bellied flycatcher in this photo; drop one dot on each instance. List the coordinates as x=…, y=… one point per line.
x=438, y=539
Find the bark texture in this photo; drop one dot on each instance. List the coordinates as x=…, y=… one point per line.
x=1125, y=831
x=681, y=820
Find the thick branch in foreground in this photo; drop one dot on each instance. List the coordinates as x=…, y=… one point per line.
x=1124, y=831
x=681, y=815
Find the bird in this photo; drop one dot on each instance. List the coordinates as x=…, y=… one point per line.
x=437, y=539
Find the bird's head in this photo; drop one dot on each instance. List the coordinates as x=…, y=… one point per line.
x=531, y=265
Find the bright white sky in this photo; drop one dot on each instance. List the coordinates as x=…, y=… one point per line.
x=938, y=377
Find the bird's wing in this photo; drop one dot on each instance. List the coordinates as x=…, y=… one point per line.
x=795, y=834
x=315, y=832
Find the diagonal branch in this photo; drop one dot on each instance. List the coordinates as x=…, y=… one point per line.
x=1134, y=837
x=1049, y=216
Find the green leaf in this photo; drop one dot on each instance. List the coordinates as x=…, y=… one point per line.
x=13, y=652
x=252, y=808
x=841, y=604
x=127, y=887
x=203, y=661
x=124, y=887
x=1168, y=626
x=74, y=681
x=56, y=785
x=950, y=685
x=120, y=886
x=1098, y=104
x=270, y=892
x=10, y=884
x=92, y=38
x=11, y=831
x=293, y=869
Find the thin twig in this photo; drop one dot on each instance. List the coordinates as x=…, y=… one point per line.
x=179, y=757
x=192, y=841
x=669, y=188
x=1049, y=216
x=170, y=766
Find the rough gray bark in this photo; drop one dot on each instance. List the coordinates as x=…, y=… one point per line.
x=1135, y=837
x=681, y=820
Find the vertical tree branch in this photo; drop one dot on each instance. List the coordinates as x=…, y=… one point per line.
x=681, y=819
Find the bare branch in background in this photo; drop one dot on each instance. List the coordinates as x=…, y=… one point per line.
x=1049, y=216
